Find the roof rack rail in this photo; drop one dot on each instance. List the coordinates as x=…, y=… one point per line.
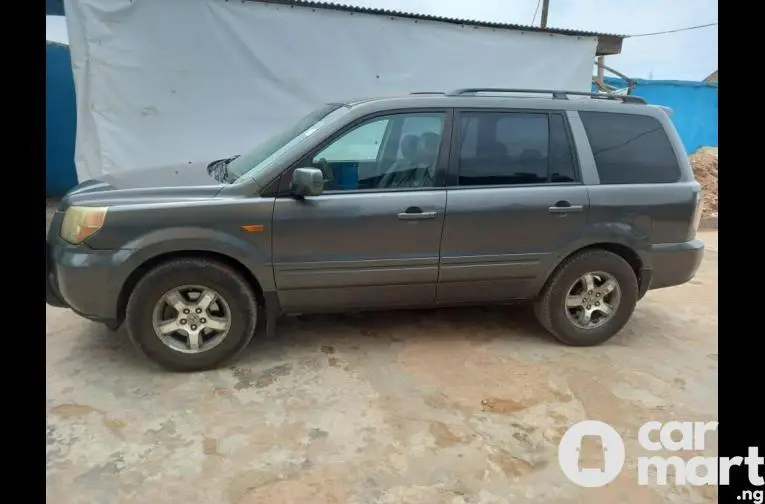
x=556, y=94
x=427, y=92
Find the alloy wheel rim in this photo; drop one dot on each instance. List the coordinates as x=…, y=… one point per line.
x=191, y=319
x=592, y=300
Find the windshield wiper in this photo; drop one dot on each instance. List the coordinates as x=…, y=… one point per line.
x=224, y=169
x=219, y=169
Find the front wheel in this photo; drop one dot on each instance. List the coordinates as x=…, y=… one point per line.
x=588, y=299
x=191, y=314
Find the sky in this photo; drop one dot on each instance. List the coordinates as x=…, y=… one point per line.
x=688, y=55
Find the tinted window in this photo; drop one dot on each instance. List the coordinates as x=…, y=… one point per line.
x=630, y=149
x=514, y=148
x=391, y=152
x=419, y=124
x=562, y=167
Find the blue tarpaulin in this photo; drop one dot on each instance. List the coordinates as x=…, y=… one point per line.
x=54, y=7
x=60, y=120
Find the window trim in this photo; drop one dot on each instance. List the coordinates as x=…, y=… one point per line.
x=453, y=172
x=282, y=187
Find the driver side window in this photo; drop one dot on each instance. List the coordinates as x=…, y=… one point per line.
x=390, y=152
x=359, y=145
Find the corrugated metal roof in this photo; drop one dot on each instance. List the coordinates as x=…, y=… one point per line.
x=608, y=43
x=430, y=17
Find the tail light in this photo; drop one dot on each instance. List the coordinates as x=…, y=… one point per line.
x=697, y=214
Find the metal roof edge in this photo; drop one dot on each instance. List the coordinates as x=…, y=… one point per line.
x=608, y=43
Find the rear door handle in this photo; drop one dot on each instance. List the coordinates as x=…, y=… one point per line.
x=564, y=207
x=417, y=216
x=416, y=213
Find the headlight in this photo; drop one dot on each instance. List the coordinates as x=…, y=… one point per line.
x=81, y=222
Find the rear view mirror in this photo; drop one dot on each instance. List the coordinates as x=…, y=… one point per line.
x=307, y=182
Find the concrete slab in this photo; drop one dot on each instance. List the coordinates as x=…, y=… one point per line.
x=446, y=406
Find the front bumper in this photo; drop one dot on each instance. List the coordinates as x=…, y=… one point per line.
x=87, y=281
x=673, y=263
x=52, y=296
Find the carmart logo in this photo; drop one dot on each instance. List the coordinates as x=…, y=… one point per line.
x=569, y=454
x=654, y=436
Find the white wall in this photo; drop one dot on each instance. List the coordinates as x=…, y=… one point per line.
x=177, y=81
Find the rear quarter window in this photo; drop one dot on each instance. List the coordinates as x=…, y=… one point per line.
x=630, y=149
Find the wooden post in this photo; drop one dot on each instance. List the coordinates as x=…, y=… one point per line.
x=601, y=69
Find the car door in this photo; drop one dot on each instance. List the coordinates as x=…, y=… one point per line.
x=363, y=243
x=514, y=199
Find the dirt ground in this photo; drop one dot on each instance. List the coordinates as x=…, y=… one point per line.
x=704, y=163
x=425, y=407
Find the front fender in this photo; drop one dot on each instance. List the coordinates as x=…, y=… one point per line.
x=185, y=239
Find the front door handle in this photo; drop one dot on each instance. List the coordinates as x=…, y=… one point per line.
x=564, y=207
x=416, y=213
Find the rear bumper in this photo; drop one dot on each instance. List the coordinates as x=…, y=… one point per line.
x=672, y=264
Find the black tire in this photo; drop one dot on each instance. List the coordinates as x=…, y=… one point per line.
x=550, y=307
x=112, y=326
x=176, y=273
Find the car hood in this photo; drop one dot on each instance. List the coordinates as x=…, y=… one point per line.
x=184, y=175
x=156, y=185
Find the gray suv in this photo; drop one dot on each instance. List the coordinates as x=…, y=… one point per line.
x=578, y=204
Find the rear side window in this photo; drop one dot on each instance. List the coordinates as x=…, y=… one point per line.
x=562, y=168
x=514, y=148
x=630, y=149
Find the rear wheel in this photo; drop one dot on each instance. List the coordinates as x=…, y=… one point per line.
x=589, y=298
x=191, y=314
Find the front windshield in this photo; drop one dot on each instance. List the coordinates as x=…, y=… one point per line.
x=258, y=158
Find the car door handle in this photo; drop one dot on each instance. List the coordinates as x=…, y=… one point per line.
x=564, y=207
x=417, y=216
x=416, y=213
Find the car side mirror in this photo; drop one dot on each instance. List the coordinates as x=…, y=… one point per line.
x=307, y=182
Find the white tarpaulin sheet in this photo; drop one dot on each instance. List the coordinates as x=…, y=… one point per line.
x=177, y=81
